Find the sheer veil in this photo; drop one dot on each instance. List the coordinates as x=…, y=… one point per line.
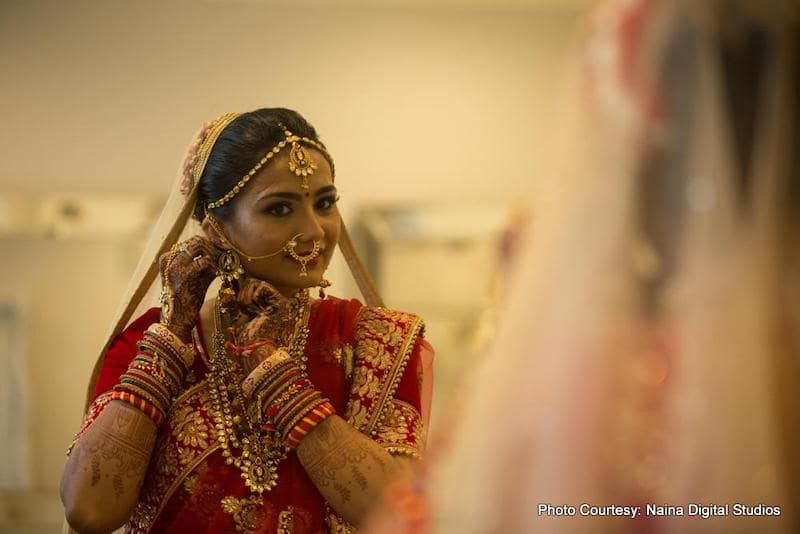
x=649, y=350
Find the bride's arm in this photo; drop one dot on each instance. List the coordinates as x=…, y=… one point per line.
x=349, y=469
x=104, y=473
x=106, y=468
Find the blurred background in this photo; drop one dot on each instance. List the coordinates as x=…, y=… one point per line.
x=433, y=110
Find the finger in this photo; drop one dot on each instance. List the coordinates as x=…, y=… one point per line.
x=194, y=245
x=191, y=247
x=208, y=248
x=203, y=265
x=202, y=244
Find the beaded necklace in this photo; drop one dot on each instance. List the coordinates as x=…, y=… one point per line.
x=247, y=442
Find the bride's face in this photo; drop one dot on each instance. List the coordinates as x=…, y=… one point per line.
x=272, y=209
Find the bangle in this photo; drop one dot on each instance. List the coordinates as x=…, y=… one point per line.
x=155, y=376
x=149, y=409
x=149, y=366
x=289, y=402
x=307, y=423
x=304, y=404
x=142, y=384
x=266, y=369
x=144, y=362
x=184, y=350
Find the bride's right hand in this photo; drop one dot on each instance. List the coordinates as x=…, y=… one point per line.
x=186, y=272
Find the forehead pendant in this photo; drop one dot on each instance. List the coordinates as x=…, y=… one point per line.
x=300, y=161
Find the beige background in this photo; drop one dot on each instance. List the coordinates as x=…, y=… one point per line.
x=423, y=104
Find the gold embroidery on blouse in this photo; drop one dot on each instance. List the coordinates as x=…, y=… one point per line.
x=190, y=483
x=174, y=458
x=384, y=340
x=189, y=428
x=286, y=521
x=247, y=513
x=336, y=523
x=402, y=431
x=344, y=355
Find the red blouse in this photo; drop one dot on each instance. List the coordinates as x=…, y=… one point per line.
x=367, y=361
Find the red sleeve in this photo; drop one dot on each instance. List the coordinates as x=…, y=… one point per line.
x=410, y=388
x=122, y=351
x=403, y=430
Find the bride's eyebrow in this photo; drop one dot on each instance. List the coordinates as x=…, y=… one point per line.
x=279, y=194
x=293, y=196
x=325, y=189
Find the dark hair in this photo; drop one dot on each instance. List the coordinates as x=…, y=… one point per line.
x=240, y=146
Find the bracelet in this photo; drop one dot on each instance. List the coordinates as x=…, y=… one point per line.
x=284, y=379
x=139, y=387
x=289, y=402
x=267, y=368
x=142, y=404
x=148, y=366
x=307, y=424
x=298, y=410
x=286, y=405
x=156, y=374
x=141, y=384
x=162, y=333
x=146, y=363
x=162, y=355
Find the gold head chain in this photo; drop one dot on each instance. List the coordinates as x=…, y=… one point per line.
x=300, y=163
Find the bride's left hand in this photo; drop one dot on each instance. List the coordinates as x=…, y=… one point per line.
x=261, y=317
x=256, y=342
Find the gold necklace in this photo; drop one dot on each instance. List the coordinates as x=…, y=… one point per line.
x=254, y=450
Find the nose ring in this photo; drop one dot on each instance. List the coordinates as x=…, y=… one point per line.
x=305, y=258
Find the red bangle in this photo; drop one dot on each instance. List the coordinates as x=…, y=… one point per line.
x=307, y=424
x=137, y=402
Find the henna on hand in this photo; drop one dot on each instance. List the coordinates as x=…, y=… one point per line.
x=186, y=272
x=106, y=469
x=348, y=468
x=262, y=319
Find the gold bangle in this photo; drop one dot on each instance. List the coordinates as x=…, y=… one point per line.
x=185, y=350
x=256, y=376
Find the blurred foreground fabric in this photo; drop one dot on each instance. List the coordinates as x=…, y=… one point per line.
x=647, y=362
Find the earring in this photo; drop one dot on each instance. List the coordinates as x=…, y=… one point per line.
x=229, y=269
x=323, y=283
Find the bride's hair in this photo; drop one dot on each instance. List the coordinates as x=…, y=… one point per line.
x=237, y=150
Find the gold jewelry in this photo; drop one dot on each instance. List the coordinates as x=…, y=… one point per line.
x=184, y=350
x=218, y=227
x=302, y=260
x=323, y=285
x=253, y=380
x=229, y=269
x=288, y=248
x=166, y=297
x=255, y=451
x=300, y=163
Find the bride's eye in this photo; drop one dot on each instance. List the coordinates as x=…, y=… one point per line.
x=326, y=203
x=280, y=209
